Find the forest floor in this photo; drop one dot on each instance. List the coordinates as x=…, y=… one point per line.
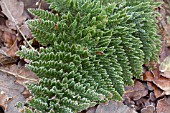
x=149, y=95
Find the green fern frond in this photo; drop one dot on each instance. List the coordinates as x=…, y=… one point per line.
x=41, y=14
x=93, y=48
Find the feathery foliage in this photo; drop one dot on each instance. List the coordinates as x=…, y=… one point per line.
x=93, y=48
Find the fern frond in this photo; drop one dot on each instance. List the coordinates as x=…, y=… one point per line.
x=93, y=48
x=41, y=14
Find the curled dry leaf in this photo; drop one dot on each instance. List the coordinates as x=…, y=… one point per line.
x=157, y=91
x=12, y=90
x=163, y=105
x=135, y=92
x=162, y=82
x=114, y=107
x=13, y=9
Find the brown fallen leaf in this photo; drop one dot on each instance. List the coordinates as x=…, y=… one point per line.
x=135, y=92
x=142, y=103
x=157, y=91
x=22, y=74
x=5, y=28
x=12, y=90
x=26, y=31
x=7, y=55
x=26, y=94
x=4, y=58
x=114, y=107
x=12, y=50
x=13, y=9
x=33, y=4
x=162, y=82
x=163, y=105
x=152, y=97
x=148, y=109
x=148, y=76
x=165, y=67
x=8, y=39
x=3, y=100
x=127, y=101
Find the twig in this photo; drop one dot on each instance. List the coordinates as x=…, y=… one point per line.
x=17, y=75
x=39, y=4
x=13, y=19
x=153, y=73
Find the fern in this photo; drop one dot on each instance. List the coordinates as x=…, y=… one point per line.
x=93, y=48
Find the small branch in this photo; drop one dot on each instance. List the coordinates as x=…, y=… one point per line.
x=17, y=75
x=13, y=19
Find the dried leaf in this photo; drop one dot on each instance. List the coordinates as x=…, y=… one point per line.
x=163, y=105
x=22, y=74
x=26, y=31
x=8, y=39
x=148, y=76
x=5, y=28
x=162, y=82
x=152, y=97
x=4, y=58
x=3, y=100
x=127, y=101
x=142, y=103
x=165, y=67
x=13, y=9
x=135, y=92
x=7, y=55
x=148, y=109
x=32, y=4
x=157, y=91
x=12, y=90
x=14, y=48
x=114, y=107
